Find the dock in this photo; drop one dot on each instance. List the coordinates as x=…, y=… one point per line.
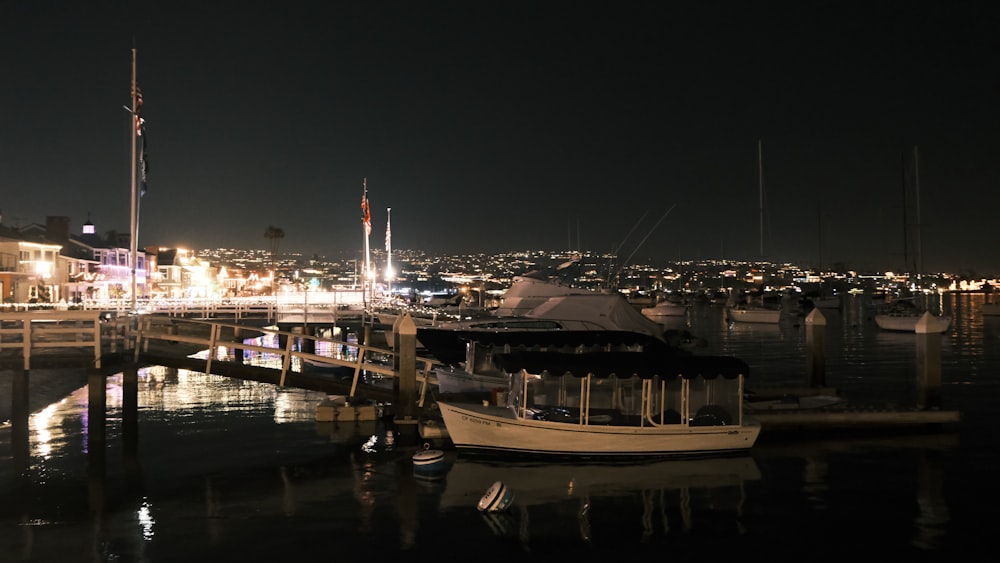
x=851, y=419
x=112, y=346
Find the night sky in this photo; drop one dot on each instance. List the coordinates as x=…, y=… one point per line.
x=502, y=126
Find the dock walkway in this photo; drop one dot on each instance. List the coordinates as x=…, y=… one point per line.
x=109, y=346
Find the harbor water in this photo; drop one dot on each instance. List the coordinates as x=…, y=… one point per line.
x=226, y=469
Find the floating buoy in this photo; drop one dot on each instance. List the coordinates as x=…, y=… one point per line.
x=428, y=461
x=497, y=498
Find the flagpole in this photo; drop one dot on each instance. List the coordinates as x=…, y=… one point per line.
x=388, y=252
x=366, y=227
x=135, y=206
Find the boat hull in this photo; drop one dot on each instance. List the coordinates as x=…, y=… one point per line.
x=665, y=310
x=908, y=323
x=752, y=315
x=491, y=429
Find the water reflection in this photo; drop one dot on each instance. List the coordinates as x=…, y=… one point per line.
x=551, y=500
x=224, y=462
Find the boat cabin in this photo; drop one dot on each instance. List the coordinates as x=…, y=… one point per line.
x=625, y=388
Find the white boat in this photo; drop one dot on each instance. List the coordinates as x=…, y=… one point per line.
x=903, y=315
x=752, y=314
x=535, y=311
x=909, y=322
x=532, y=296
x=454, y=379
x=665, y=309
x=583, y=406
x=467, y=354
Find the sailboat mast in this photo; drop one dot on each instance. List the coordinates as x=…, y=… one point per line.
x=906, y=230
x=760, y=192
x=916, y=200
x=133, y=233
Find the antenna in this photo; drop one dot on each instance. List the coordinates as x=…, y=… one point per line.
x=760, y=190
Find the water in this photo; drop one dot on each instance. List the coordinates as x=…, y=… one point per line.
x=231, y=470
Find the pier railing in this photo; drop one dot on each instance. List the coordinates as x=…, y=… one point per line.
x=34, y=331
x=92, y=334
x=276, y=349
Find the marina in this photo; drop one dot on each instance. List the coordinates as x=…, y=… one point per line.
x=253, y=457
x=258, y=447
x=775, y=372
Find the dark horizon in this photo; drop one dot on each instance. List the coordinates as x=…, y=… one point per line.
x=491, y=127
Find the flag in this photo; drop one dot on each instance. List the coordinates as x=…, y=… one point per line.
x=143, y=166
x=388, y=233
x=140, y=130
x=366, y=213
x=139, y=121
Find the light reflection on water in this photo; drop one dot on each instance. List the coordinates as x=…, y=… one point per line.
x=222, y=464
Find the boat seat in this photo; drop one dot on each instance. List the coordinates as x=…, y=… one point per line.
x=711, y=415
x=670, y=416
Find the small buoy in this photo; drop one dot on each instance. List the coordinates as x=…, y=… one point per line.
x=497, y=498
x=428, y=461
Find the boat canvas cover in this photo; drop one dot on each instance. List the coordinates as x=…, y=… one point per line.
x=542, y=299
x=645, y=365
x=448, y=345
x=613, y=311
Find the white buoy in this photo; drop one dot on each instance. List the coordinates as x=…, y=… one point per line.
x=497, y=498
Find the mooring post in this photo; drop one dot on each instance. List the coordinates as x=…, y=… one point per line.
x=97, y=396
x=130, y=410
x=96, y=433
x=237, y=351
x=928, y=363
x=815, y=344
x=404, y=332
x=20, y=412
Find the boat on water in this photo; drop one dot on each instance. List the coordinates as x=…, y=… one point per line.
x=904, y=315
x=535, y=311
x=628, y=402
x=665, y=309
x=746, y=313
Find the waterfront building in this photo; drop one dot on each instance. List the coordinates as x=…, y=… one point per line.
x=47, y=264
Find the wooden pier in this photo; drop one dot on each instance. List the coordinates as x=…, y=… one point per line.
x=108, y=345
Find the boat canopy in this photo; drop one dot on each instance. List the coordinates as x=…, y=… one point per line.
x=449, y=345
x=644, y=365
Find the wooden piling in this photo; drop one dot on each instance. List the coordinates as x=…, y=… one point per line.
x=97, y=396
x=130, y=409
x=404, y=333
x=928, y=363
x=20, y=411
x=815, y=348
